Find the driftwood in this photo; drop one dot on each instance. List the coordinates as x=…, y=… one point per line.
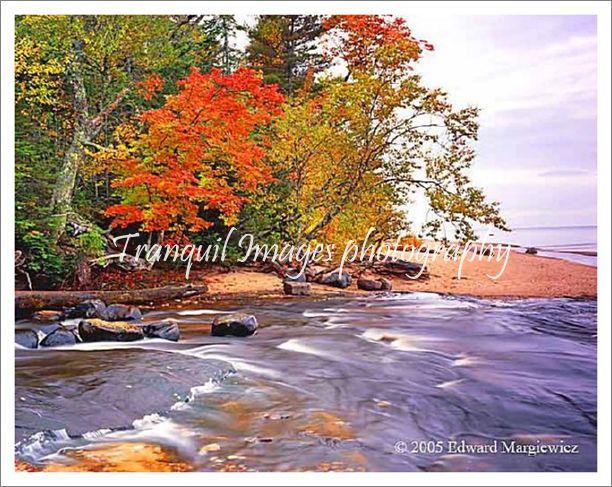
x=32, y=300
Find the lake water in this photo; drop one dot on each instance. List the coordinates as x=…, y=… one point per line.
x=570, y=243
x=328, y=385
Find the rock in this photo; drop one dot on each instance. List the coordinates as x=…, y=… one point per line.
x=27, y=339
x=48, y=329
x=531, y=251
x=59, y=337
x=386, y=284
x=121, y=312
x=369, y=284
x=336, y=279
x=211, y=447
x=295, y=275
x=296, y=288
x=166, y=329
x=237, y=324
x=402, y=267
x=95, y=330
x=91, y=308
x=48, y=315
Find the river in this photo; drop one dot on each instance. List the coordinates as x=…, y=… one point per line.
x=335, y=384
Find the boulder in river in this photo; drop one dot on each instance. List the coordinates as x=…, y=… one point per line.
x=166, y=329
x=531, y=251
x=237, y=324
x=26, y=338
x=61, y=336
x=121, y=312
x=296, y=288
x=96, y=330
x=336, y=279
x=91, y=308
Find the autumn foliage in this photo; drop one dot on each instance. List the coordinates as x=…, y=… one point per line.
x=370, y=42
x=203, y=150
x=161, y=124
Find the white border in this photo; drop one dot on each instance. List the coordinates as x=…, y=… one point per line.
x=601, y=9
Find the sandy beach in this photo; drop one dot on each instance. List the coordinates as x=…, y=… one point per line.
x=526, y=276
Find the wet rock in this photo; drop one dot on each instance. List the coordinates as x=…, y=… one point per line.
x=48, y=315
x=59, y=337
x=531, y=251
x=211, y=447
x=95, y=330
x=166, y=329
x=237, y=324
x=366, y=284
x=27, y=339
x=296, y=288
x=121, y=312
x=91, y=308
x=48, y=329
x=120, y=457
x=337, y=279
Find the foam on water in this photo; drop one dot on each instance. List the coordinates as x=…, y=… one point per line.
x=97, y=346
x=399, y=341
x=42, y=441
x=450, y=383
x=198, y=312
x=465, y=361
x=209, y=352
x=208, y=388
x=298, y=345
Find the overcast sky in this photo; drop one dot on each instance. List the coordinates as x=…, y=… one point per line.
x=535, y=80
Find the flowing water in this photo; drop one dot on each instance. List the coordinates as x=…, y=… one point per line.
x=327, y=385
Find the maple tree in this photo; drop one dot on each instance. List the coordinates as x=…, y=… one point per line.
x=203, y=150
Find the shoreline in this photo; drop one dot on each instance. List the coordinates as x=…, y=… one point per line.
x=526, y=276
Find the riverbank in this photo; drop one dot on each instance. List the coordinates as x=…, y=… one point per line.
x=525, y=276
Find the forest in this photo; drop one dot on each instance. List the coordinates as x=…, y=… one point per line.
x=294, y=128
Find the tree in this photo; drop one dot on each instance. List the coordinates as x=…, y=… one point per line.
x=201, y=153
x=370, y=138
x=95, y=63
x=284, y=47
x=224, y=29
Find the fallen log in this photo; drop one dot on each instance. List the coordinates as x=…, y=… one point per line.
x=33, y=300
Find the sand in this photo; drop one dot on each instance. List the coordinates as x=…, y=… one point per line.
x=524, y=276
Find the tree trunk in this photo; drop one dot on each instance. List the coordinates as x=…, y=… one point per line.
x=61, y=200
